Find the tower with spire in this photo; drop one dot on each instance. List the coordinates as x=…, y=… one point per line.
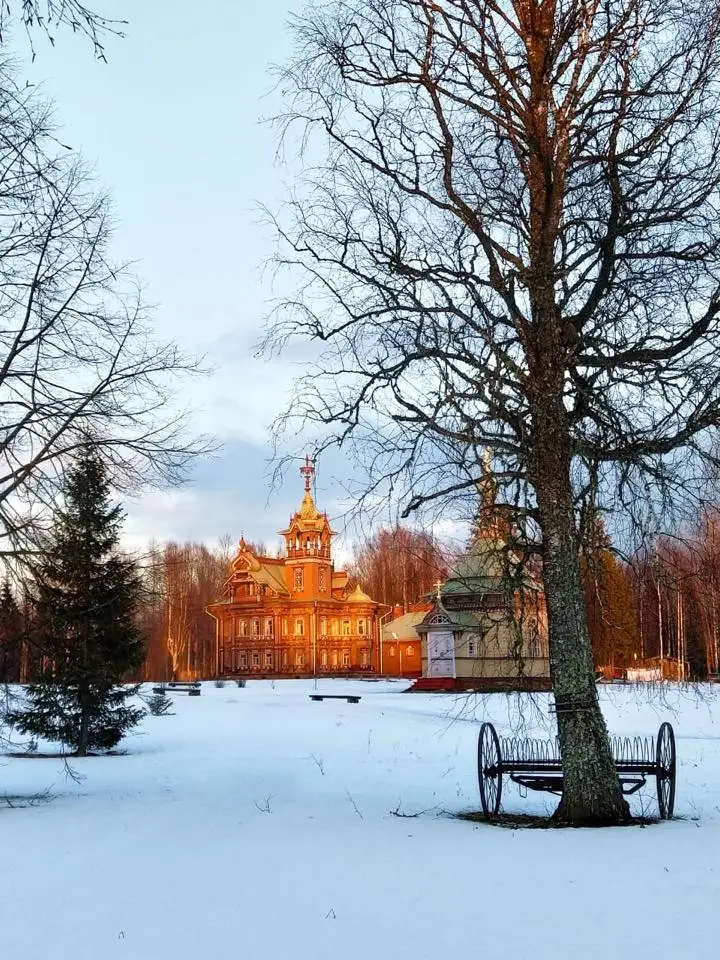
x=308, y=542
x=294, y=614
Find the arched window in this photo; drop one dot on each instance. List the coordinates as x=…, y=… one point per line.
x=440, y=618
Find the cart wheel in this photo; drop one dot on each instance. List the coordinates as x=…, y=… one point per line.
x=665, y=762
x=489, y=769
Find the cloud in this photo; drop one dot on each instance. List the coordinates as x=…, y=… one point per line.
x=232, y=493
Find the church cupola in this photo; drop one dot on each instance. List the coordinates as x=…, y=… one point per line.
x=308, y=540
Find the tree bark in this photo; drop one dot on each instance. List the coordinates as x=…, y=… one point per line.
x=592, y=793
x=84, y=731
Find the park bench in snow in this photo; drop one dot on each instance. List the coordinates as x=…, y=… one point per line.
x=535, y=765
x=351, y=698
x=192, y=688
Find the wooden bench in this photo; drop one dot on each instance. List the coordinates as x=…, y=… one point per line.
x=351, y=698
x=536, y=765
x=192, y=689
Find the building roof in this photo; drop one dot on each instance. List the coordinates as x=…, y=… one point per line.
x=273, y=578
x=308, y=519
x=404, y=626
x=490, y=565
x=359, y=596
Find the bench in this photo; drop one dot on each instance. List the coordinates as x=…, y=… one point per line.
x=536, y=765
x=192, y=689
x=351, y=698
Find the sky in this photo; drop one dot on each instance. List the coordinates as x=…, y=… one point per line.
x=172, y=126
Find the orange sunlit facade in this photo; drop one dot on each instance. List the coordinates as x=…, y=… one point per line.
x=294, y=615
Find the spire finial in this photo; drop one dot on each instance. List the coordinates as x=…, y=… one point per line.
x=438, y=587
x=307, y=470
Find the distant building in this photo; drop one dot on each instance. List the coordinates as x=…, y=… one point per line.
x=401, y=654
x=294, y=615
x=486, y=626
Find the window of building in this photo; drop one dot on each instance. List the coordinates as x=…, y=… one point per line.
x=324, y=658
x=346, y=658
x=269, y=626
x=322, y=579
x=471, y=648
x=299, y=628
x=285, y=626
x=300, y=658
x=256, y=659
x=284, y=658
x=243, y=661
x=241, y=628
x=392, y=651
x=346, y=628
x=364, y=658
x=268, y=658
x=323, y=627
x=409, y=651
x=361, y=628
x=299, y=579
x=334, y=658
x=256, y=627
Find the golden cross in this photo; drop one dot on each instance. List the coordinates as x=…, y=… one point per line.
x=307, y=470
x=438, y=587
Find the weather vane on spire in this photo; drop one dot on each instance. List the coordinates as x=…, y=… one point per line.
x=307, y=470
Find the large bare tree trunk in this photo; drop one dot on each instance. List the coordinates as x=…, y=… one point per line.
x=592, y=792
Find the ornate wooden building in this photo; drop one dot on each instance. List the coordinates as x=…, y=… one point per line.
x=294, y=615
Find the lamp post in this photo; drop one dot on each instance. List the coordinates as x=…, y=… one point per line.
x=397, y=640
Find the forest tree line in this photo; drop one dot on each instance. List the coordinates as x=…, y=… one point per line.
x=661, y=601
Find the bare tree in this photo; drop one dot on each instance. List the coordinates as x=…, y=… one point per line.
x=181, y=580
x=398, y=565
x=49, y=16
x=78, y=361
x=509, y=239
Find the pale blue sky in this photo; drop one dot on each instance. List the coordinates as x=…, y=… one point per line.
x=171, y=124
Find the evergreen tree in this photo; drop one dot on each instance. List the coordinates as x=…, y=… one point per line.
x=86, y=603
x=11, y=636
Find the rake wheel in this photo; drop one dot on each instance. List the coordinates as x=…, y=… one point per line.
x=489, y=769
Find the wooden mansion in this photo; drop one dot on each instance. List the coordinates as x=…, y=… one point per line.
x=295, y=615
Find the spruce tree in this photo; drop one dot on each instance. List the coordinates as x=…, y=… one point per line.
x=86, y=601
x=11, y=636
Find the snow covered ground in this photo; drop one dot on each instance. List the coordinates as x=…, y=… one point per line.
x=257, y=824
